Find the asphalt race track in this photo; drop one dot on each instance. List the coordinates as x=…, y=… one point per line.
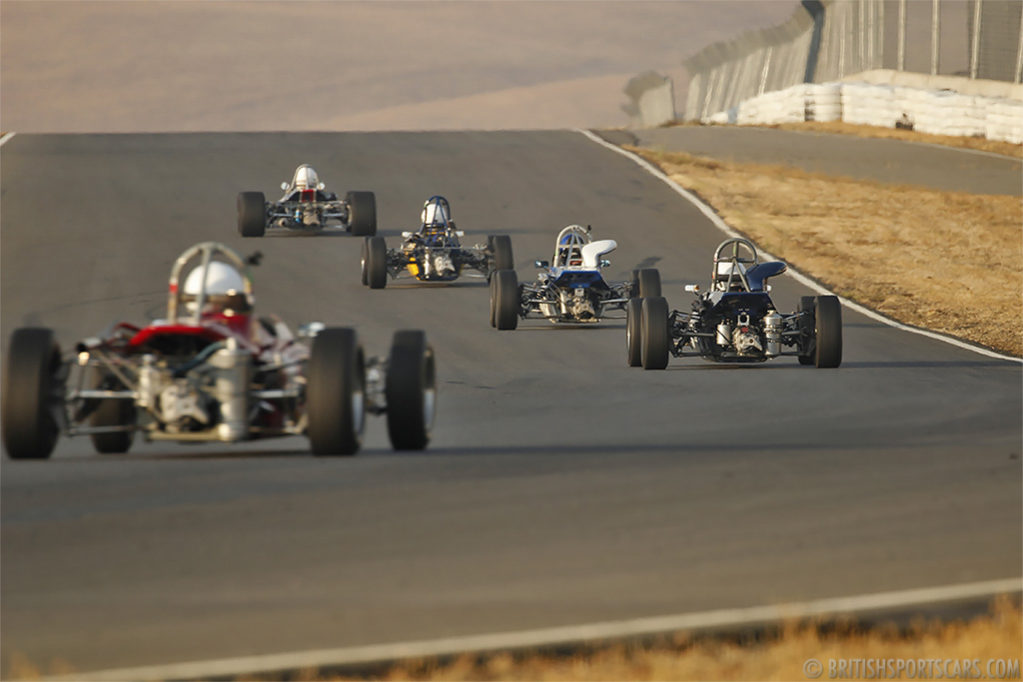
x=561, y=487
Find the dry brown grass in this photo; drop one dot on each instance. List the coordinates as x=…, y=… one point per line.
x=947, y=261
x=856, y=130
x=777, y=656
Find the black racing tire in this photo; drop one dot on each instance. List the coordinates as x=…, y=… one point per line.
x=376, y=262
x=113, y=412
x=634, y=331
x=31, y=392
x=649, y=280
x=507, y=301
x=362, y=213
x=335, y=393
x=411, y=390
x=501, y=257
x=251, y=214
x=828, y=317
x=362, y=262
x=493, y=302
x=808, y=304
x=654, y=334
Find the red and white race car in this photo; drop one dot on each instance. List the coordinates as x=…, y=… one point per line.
x=213, y=371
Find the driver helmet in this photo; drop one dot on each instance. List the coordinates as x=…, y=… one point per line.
x=225, y=297
x=436, y=212
x=305, y=178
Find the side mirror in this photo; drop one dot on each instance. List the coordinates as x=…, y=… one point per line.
x=604, y=263
x=541, y=263
x=309, y=330
x=320, y=186
x=406, y=235
x=284, y=185
x=693, y=288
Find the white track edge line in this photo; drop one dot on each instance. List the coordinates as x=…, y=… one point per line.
x=796, y=274
x=556, y=635
x=6, y=138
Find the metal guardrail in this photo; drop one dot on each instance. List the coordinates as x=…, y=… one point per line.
x=828, y=40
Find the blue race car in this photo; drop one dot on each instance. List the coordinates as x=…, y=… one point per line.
x=571, y=287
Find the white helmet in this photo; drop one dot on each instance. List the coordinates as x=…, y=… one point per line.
x=436, y=211
x=225, y=289
x=305, y=178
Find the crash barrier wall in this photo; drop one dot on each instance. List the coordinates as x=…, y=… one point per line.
x=653, y=100
x=940, y=112
x=828, y=40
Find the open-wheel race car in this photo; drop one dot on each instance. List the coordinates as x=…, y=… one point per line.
x=213, y=372
x=306, y=207
x=571, y=287
x=736, y=321
x=434, y=252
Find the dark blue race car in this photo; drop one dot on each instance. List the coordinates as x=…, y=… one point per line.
x=736, y=321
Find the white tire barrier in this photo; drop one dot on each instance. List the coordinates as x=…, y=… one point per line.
x=940, y=112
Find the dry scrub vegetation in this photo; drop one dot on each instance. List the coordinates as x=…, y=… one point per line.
x=947, y=261
x=777, y=655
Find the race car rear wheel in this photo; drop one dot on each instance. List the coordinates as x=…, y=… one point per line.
x=647, y=283
x=375, y=265
x=506, y=299
x=501, y=257
x=829, y=332
x=807, y=306
x=335, y=393
x=362, y=213
x=251, y=214
x=31, y=394
x=634, y=331
x=654, y=334
x=113, y=412
x=411, y=390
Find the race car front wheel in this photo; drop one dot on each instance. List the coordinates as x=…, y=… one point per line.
x=113, y=412
x=505, y=295
x=251, y=214
x=374, y=264
x=32, y=394
x=646, y=282
x=335, y=393
x=500, y=253
x=654, y=333
x=828, y=317
x=362, y=213
x=634, y=331
x=411, y=391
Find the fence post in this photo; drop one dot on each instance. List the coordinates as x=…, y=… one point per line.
x=975, y=47
x=901, y=66
x=1019, y=52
